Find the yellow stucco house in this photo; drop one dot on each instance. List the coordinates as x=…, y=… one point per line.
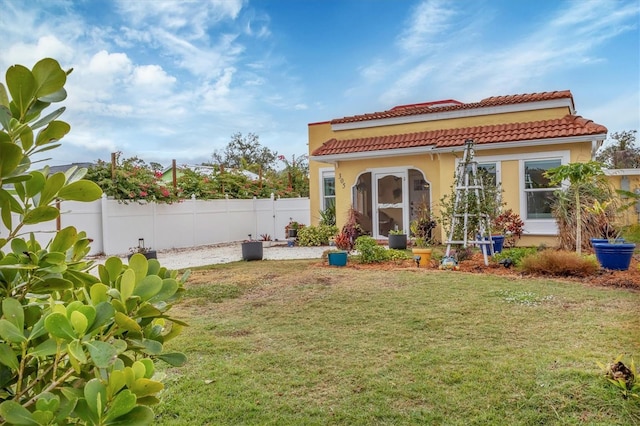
x=385, y=163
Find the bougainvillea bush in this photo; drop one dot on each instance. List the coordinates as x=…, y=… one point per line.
x=75, y=347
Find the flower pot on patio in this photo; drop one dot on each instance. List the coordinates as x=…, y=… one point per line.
x=337, y=258
x=398, y=241
x=614, y=256
x=498, y=242
x=425, y=255
x=252, y=250
x=149, y=254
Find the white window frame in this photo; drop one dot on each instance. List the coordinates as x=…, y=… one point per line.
x=324, y=173
x=531, y=226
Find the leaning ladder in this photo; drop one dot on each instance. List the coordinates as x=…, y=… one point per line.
x=469, y=181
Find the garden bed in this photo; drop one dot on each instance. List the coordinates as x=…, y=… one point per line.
x=623, y=279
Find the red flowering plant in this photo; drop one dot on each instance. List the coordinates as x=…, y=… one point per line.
x=510, y=225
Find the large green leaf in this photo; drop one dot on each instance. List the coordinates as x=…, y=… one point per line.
x=64, y=239
x=16, y=414
x=10, y=333
x=148, y=287
x=104, y=313
x=50, y=284
x=13, y=311
x=48, y=118
x=10, y=156
x=79, y=322
x=102, y=353
x=143, y=387
x=22, y=87
x=82, y=190
x=4, y=98
x=140, y=265
x=176, y=359
x=169, y=288
x=47, y=348
x=127, y=284
x=49, y=77
x=95, y=393
x=114, y=268
x=8, y=357
x=123, y=403
x=126, y=323
x=75, y=348
x=5, y=119
x=58, y=96
x=41, y=214
x=35, y=184
x=58, y=325
x=53, y=184
x=53, y=132
x=139, y=416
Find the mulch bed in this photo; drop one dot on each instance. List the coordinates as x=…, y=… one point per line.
x=625, y=279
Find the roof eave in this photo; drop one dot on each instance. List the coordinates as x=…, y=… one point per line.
x=457, y=113
x=351, y=156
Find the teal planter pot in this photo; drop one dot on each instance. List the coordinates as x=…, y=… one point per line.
x=614, y=256
x=337, y=258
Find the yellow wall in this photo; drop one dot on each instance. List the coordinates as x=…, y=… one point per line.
x=629, y=216
x=439, y=168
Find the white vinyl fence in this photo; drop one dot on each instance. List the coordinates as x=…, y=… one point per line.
x=116, y=227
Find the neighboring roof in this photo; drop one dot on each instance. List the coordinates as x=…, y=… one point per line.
x=568, y=126
x=453, y=105
x=63, y=168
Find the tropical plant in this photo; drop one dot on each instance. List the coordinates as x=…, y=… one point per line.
x=350, y=231
x=316, y=235
x=74, y=347
x=422, y=225
x=577, y=174
x=510, y=225
x=370, y=251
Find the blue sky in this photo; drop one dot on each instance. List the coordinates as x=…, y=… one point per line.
x=166, y=79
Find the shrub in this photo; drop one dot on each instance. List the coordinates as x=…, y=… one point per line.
x=370, y=251
x=516, y=254
x=397, y=255
x=316, y=235
x=74, y=347
x=559, y=263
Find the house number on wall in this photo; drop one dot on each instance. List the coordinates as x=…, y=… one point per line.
x=341, y=180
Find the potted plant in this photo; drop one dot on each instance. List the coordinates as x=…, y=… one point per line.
x=611, y=251
x=506, y=229
x=266, y=240
x=421, y=228
x=251, y=249
x=145, y=251
x=291, y=230
x=337, y=257
x=397, y=239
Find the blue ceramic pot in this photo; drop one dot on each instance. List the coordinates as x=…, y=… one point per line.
x=337, y=258
x=614, y=256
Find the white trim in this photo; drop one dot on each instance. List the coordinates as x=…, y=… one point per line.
x=324, y=172
x=538, y=226
x=431, y=150
x=622, y=172
x=459, y=113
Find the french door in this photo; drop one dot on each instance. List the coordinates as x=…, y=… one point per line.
x=390, y=203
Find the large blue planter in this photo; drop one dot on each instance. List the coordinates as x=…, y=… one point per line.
x=614, y=256
x=337, y=258
x=605, y=240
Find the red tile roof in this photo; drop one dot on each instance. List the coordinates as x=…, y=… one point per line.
x=453, y=105
x=568, y=126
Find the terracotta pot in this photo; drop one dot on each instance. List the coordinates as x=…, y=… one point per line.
x=425, y=255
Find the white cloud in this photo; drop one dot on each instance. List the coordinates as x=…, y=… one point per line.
x=427, y=24
x=152, y=76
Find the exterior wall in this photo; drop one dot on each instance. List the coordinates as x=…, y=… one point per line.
x=631, y=215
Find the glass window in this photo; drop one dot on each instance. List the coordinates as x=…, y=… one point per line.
x=328, y=190
x=489, y=171
x=537, y=188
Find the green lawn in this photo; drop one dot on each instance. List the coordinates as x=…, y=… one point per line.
x=292, y=343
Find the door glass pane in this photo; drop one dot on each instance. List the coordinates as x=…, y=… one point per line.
x=389, y=218
x=390, y=190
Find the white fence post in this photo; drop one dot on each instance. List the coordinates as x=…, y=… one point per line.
x=106, y=235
